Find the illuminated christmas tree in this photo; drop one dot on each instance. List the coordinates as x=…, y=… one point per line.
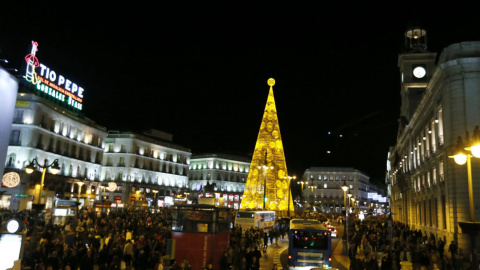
x=268, y=184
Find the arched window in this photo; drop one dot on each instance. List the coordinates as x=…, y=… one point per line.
x=11, y=160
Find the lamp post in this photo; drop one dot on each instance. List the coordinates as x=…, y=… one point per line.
x=353, y=203
x=155, y=199
x=54, y=169
x=349, y=195
x=461, y=157
x=313, y=197
x=345, y=188
x=289, y=191
x=312, y=187
x=301, y=192
x=80, y=184
x=103, y=197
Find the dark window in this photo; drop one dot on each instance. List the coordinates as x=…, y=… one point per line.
x=14, y=137
x=18, y=116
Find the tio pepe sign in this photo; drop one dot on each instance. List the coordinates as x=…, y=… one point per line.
x=52, y=84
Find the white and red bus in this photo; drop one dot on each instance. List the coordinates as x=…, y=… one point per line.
x=257, y=219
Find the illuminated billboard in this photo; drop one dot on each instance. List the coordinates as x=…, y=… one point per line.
x=51, y=83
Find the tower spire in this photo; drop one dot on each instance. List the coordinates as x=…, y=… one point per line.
x=267, y=185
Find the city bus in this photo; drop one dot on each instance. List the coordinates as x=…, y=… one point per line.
x=310, y=245
x=257, y=219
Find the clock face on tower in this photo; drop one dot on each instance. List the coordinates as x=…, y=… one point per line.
x=419, y=72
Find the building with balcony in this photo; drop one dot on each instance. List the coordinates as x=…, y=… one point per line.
x=321, y=187
x=147, y=168
x=440, y=102
x=44, y=131
x=226, y=174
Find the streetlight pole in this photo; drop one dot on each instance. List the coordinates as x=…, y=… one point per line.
x=80, y=184
x=345, y=188
x=301, y=192
x=461, y=157
x=155, y=199
x=313, y=196
x=289, y=191
x=103, y=197
x=55, y=168
x=349, y=195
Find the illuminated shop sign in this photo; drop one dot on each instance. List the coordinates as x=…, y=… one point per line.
x=52, y=83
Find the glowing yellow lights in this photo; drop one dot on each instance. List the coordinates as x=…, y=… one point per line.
x=460, y=159
x=267, y=186
x=271, y=82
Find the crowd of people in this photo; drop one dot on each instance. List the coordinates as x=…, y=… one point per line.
x=137, y=239
x=134, y=238
x=374, y=244
x=127, y=239
x=248, y=245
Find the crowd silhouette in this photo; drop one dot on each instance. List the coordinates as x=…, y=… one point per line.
x=127, y=238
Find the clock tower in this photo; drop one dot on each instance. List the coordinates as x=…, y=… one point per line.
x=416, y=68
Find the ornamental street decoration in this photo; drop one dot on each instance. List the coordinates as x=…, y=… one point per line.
x=267, y=178
x=112, y=186
x=11, y=179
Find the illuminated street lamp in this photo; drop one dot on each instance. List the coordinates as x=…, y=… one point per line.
x=349, y=195
x=155, y=199
x=301, y=193
x=54, y=169
x=345, y=188
x=289, y=191
x=312, y=187
x=80, y=184
x=461, y=157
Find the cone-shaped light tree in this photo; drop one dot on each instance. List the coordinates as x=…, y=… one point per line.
x=268, y=184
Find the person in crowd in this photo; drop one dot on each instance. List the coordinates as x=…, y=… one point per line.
x=387, y=262
x=372, y=264
x=208, y=267
x=452, y=248
x=255, y=264
x=224, y=261
x=434, y=257
x=356, y=263
x=128, y=252
x=405, y=255
x=159, y=265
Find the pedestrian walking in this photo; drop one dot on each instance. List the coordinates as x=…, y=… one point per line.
x=128, y=252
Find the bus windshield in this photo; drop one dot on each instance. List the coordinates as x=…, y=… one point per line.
x=310, y=245
x=310, y=240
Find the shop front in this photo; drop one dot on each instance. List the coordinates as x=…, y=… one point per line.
x=64, y=211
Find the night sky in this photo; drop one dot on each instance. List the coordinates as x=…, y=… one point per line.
x=200, y=72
